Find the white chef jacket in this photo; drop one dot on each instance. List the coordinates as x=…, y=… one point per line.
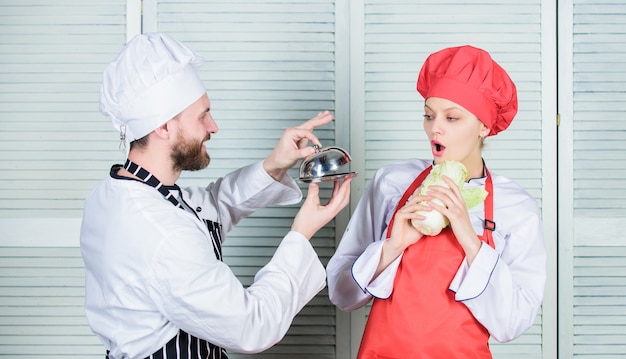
x=503, y=288
x=151, y=269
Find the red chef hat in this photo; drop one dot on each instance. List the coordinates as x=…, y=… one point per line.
x=470, y=77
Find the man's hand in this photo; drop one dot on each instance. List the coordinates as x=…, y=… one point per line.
x=292, y=146
x=313, y=215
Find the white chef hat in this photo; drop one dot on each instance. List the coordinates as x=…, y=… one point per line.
x=152, y=80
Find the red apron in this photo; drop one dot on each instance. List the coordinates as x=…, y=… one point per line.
x=421, y=318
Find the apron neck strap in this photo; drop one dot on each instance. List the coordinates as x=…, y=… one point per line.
x=152, y=181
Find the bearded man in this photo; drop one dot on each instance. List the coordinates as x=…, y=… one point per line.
x=156, y=285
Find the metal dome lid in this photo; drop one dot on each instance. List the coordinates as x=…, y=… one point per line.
x=324, y=165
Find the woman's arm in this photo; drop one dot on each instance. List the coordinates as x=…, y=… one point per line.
x=504, y=286
x=362, y=267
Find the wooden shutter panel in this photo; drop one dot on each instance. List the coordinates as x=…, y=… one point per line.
x=54, y=142
x=599, y=190
x=54, y=145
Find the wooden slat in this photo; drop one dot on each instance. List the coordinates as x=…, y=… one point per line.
x=41, y=304
x=599, y=309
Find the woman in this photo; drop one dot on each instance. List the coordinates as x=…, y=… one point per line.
x=443, y=296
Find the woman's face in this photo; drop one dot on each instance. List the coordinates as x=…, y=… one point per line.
x=454, y=132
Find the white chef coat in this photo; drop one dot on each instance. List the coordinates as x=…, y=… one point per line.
x=503, y=288
x=151, y=269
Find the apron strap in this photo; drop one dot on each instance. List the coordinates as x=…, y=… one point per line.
x=152, y=181
x=408, y=193
x=488, y=224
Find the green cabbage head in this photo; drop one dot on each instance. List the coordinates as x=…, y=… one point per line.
x=456, y=171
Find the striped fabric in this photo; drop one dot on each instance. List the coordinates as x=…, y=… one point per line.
x=215, y=229
x=152, y=181
x=186, y=346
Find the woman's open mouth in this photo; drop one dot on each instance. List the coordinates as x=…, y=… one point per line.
x=437, y=148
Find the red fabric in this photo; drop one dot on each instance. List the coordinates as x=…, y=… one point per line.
x=421, y=319
x=469, y=77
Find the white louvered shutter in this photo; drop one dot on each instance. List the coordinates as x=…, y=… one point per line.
x=593, y=307
x=397, y=39
x=269, y=65
x=54, y=146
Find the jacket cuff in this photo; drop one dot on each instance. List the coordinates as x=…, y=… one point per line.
x=471, y=281
x=364, y=268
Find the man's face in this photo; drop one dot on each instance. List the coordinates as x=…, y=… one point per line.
x=189, y=153
x=195, y=127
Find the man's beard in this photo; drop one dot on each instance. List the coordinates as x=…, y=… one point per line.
x=187, y=155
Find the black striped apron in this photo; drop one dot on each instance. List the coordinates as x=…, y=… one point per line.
x=183, y=345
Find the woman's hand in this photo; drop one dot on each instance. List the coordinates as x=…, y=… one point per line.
x=312, y=216
x=292, y=146
x=403, y=234
x=455, y=210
